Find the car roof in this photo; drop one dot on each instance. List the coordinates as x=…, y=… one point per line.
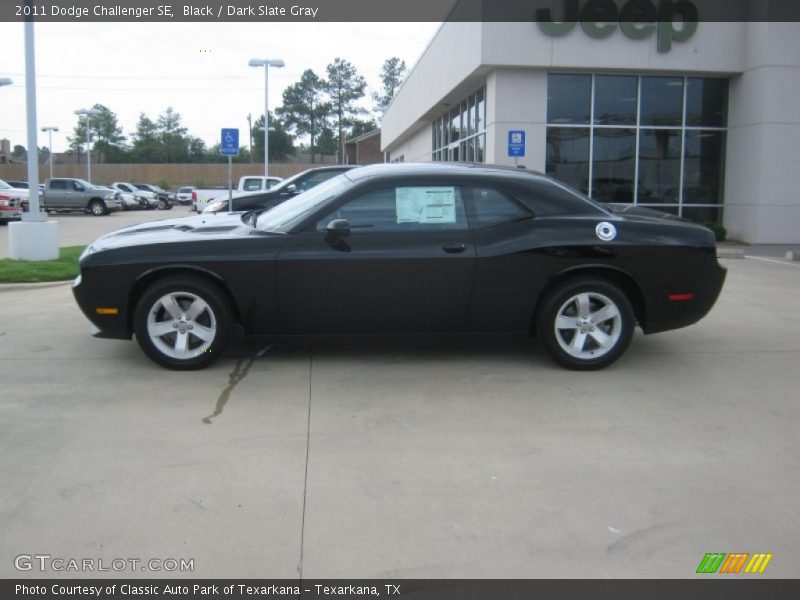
x=438, y=168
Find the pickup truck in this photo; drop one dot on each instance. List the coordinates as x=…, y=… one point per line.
x=247, y=185
x=66, y=194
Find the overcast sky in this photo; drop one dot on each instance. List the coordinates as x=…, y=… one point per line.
x=199, y=69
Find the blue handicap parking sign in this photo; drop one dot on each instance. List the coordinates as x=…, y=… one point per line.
x=516, y=143
x=229, y=142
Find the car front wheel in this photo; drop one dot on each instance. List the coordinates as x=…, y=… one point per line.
x=97, y=208
x=183, y=323
x=586, y=323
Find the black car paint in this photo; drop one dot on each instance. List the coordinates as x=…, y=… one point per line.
x=299, y=283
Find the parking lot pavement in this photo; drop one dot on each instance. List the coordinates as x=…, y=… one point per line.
x=79, y=229
x=407, y=457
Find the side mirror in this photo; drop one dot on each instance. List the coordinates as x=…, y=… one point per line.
x=338, y=228
x=292, y=189
x=78, y=187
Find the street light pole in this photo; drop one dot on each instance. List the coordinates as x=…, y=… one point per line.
x=266, y=63
x=50, y=129
x=81, y=112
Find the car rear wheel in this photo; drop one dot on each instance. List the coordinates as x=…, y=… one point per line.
x=183, y=323
x=586, y=323
x=162, y=204
x=97, y=208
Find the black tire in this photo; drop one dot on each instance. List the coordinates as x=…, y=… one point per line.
x=165, y=349
x=163, y=204
x=97, y=208
x=585, y=344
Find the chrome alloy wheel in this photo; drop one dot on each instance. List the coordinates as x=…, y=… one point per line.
x=181, y=325
x=588, y=325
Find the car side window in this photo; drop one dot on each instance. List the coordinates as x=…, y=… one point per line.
x=58, y=184
x=412, y=208
x=77, y=186
x=252, y=185
x=490, y=207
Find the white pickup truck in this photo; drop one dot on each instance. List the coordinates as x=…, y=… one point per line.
x=247, y=185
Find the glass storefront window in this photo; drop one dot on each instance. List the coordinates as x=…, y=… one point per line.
x=706, y=102
x=569, y=99
x=654, y=140
x=662, y=101
x=703, y=172
x=614, y=165
x=659, y=166
x=480, y=117
x=568, y=156
x=615, y=98
x=460, y=129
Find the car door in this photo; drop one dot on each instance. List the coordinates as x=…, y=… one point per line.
x=406, y=266
x=57, y=193
x=508, y=272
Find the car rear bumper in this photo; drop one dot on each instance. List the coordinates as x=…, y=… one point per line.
x=685, y=307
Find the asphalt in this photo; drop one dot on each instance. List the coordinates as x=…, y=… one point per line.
x=406, y=457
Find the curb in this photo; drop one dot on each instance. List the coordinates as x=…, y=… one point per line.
x=13, y=287
x=730, y=253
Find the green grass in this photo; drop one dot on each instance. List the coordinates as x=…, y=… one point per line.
x=26, y=271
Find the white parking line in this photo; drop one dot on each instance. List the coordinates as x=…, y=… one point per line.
x=775, y=260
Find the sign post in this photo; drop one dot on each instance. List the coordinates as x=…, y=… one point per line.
x=229, y=146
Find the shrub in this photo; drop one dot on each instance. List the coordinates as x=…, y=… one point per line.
x=720, y=233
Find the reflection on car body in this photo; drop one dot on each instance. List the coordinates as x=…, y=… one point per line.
x=428, y=248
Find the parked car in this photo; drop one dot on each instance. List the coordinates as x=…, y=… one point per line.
x=10, y=207
x=165, y=200
x=427, y=248
x=292, y=186
x=23, y=185
x=22, y=194
x=145, y=198
x=184, y=194
x=66, y=194
x=127, y=201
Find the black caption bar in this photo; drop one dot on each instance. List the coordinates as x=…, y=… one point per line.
x=409, y=589
x=256, y=11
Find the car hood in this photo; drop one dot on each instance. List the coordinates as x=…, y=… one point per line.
x=184, y=229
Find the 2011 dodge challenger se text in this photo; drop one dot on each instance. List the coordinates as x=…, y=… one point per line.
x=413, y=248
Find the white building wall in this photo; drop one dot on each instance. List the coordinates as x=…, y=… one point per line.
x=762, y=196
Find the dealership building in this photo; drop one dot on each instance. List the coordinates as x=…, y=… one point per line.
x=701, y=122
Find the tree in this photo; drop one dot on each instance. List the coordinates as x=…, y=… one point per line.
x=304, y=110
x=106, y=134
x=146, y=143
x=281, y=144
x=393, y=74
x=173, y=136
x=18, y=151
x=360, y=127
x=328, y=142
x=344, y=86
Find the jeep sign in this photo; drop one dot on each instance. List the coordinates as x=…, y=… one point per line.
x=638, y=19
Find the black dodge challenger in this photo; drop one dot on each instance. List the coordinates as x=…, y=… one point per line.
x=420, y=248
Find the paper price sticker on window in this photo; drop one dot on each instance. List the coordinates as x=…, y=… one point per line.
x=426, y=204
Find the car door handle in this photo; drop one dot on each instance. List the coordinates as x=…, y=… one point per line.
x=453, y=247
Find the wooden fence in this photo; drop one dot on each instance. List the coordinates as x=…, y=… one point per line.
x=168, y=176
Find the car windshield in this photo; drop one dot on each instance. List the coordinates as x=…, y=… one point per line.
x=287, y=215
x=4, y=185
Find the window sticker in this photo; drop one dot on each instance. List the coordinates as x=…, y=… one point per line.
x=425, y=204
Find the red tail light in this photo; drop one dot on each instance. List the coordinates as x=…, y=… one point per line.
x=680, y=297
x=194, y=196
